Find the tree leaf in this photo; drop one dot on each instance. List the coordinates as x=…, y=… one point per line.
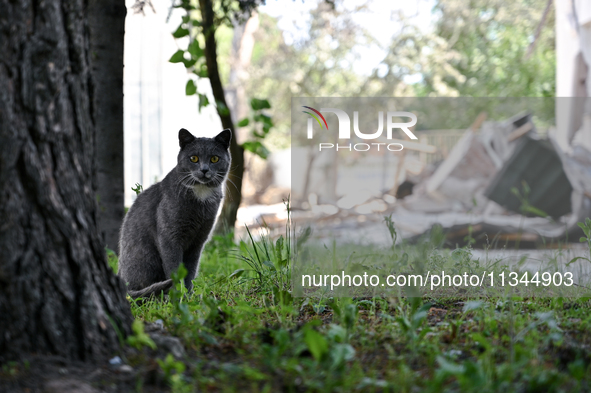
x=222, y=108
x=190, y=88
x=189, y=63
x=202, y=73
x=257, y=104
x=257, y=148
x=180, y=32
x=195, y=50
x=203, y=101
x=244, y=122
x=178, y=56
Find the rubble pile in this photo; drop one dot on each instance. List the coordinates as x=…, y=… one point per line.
x=502, y=184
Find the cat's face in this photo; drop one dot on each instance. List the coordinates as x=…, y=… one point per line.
x=204, y=161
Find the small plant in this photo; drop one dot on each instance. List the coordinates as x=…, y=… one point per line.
x=586, y=227
x=139, y=338
x=526, y=207
x=112, y=259
x=412, y=319
x=391, y=229
x=329, y=350
x=173, y=373
x=182, y=314
x=261, y=124
x=137, y=189
x=346, y=314
x=268, y=260
x=10, y=369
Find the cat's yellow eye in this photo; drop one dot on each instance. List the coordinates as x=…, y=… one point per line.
x=194, y=158
x=215, y=159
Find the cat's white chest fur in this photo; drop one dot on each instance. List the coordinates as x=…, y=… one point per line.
x=203, y=192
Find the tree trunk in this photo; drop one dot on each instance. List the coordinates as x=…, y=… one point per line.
x=57, y=293
x=241, y=55
x=107, y=27
x=227, y=218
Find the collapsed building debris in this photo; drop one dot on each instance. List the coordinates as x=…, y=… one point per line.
x=531, y=177
x=532, y=181
x=501, y=185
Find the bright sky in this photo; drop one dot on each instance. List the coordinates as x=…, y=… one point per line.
x=380, y=20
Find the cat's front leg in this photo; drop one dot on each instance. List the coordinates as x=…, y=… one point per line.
x=171, y=254
x=191, y=262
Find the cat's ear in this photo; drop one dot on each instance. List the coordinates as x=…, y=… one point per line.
x=224, y=138
x=185, y=137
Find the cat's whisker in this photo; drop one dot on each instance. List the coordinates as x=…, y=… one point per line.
x=184, y=182
x=234, y=184
x=221, y=179
x=188, y=185
x=188, y=176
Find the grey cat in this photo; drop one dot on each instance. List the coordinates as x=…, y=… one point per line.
x=171, y=221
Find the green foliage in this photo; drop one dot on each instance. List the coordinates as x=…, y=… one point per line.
x=173, y=373
x=391, y=229
x=316, y=342
x=257, y=148
x=490, y=40
x=586, y=227
x=191, y=88
x=260, y=124
x=475, y=49
x=319, y=64
x=526, y=207
x=177, y=57
x=245, y=331
x=411, y=320
x=112, y=259
x=12, y=369
x=258, y=105
x=194, y=60
x=139, y=338
x=137, y=189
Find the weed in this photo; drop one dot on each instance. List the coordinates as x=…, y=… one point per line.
x=139, y=338
x=112, y=259
x=137, y=189
x=173, y=373
x=586, y=227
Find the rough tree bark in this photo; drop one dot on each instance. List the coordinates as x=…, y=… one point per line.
x=57, y=293
x=227, y=217
x=107, y=28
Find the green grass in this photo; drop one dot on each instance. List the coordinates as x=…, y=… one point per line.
x=243, y=331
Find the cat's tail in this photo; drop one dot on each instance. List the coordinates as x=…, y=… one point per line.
x=162, y=286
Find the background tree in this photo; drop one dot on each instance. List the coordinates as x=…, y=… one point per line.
x=201, y=58
x=491, y=41
x=320, y=63
x=57, y=293
x=479, y=48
